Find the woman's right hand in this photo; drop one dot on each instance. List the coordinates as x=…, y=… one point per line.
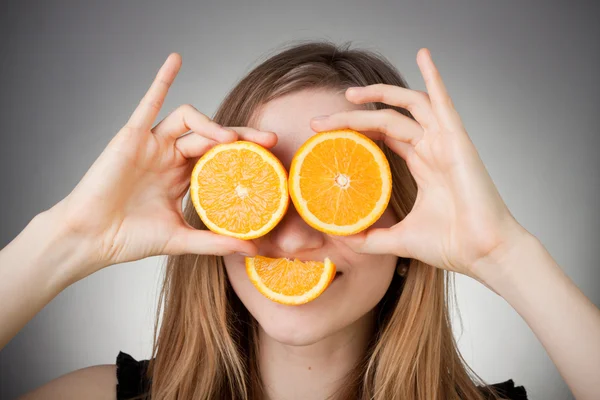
x=128, y=204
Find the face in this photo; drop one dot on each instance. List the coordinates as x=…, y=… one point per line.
x=363, y=279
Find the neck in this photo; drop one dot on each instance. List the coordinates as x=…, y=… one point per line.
x=313, y=371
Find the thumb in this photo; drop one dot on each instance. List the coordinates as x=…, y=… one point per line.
x=197, y=241
x=379, y=241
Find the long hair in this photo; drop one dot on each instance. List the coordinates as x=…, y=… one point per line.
x=206, y=346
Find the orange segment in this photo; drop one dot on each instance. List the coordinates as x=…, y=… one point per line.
x=239, y=189
x=290, y=282
x=340, y=182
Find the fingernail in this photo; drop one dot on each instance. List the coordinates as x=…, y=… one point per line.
x=320, y=117
x=244, y=254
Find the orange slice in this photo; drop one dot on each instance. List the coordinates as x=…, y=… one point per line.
x=239, y=189
x=290, y=282
x=340, y=182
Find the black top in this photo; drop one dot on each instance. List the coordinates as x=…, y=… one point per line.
x=132, y=380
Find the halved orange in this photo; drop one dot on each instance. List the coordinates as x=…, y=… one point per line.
x=340, y=182
x=291, y=282
x=239, y=189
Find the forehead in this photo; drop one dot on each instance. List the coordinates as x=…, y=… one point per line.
x=289, y=117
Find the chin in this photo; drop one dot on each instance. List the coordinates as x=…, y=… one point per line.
x=296, y=325
x=294, y=334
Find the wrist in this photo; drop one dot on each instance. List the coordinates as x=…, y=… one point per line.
x=510, y=263
x=67, y=254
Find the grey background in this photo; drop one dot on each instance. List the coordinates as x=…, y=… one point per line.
x=523, y=75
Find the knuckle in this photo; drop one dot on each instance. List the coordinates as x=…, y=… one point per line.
x=162, y=81
x=189, y=110
x=447, y=100
x=387, y=114
x=383, y=125
x=387, y=120
x=378, y=90
x=420, y=101
x=153, y=103
x=185, y=108
x=421, y=96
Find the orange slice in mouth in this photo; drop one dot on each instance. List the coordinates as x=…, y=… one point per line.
x=290, y=282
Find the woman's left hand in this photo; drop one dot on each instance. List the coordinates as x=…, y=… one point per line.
x=459, y=217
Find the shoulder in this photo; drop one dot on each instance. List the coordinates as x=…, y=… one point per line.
x=96, y=382
x=507, y=390
x=125, y=379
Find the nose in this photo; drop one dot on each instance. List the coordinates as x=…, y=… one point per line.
x=292, y=235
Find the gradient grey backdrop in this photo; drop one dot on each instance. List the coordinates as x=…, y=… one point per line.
x=523, y=75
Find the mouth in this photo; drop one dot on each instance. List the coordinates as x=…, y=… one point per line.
x=338, y=273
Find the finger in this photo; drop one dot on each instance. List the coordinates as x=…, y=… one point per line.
x=144, y=115
x=414, y=101
x=193, y=145
x=264, y=138
x=440, y=99
x=377, y=241
x=197, y=241
x=185, y=118
x=387, y=121
x=404, y=150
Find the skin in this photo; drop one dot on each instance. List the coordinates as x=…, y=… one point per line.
x=459, y=223
x=305, y=348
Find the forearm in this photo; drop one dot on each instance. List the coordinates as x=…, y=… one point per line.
x=35, y=267
x=565, y=321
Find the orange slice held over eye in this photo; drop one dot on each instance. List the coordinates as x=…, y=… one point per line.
x=239, y=189
x=340, y=182
x=290, y=282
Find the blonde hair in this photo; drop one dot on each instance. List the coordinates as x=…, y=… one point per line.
x=207, y=344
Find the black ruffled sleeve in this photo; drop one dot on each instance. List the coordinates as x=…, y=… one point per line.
x=508, y=390
x=131, y=377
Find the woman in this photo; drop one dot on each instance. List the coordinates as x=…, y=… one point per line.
x=382, y=329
